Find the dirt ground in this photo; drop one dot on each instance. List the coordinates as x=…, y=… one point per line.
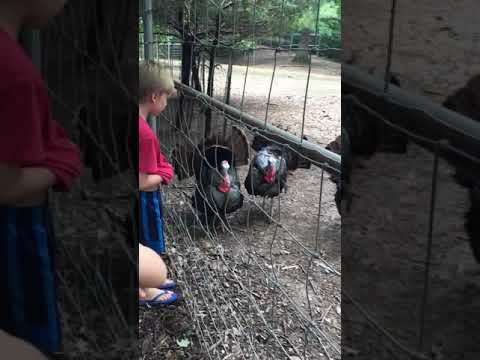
x=392, y=238
x=226, y=278
x=436, y=47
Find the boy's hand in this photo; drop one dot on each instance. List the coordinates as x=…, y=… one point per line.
x=23, y=185
x=149, y=182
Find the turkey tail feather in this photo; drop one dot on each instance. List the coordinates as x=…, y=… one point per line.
x=239, y=144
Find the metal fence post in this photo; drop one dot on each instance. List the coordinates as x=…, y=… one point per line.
x=148, y=44
x=30, y=41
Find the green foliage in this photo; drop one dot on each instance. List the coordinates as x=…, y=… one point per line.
x=246, y=22
x=246, y=45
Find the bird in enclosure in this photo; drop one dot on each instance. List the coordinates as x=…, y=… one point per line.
x=466, y=101
x=341, y=146
x=268, y=171
x=267, y=174
x=293, y=159
x=362, y=134
x=217, y=191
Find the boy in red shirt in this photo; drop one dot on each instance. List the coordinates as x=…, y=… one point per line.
x=35, y=155
x=155, y=86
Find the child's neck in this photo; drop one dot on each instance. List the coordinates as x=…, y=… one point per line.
x=143, y=111
x=10, y=19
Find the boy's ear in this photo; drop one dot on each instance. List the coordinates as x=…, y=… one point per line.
x=154, y=98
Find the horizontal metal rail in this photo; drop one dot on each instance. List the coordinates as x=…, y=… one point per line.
x=308, y=149
x=414, y=113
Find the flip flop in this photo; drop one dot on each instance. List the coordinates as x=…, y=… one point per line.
x=155, y=300
x=168, y=285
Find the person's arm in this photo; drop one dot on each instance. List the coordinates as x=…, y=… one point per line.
x=62, y=157
x=148, y=178
x=149, y=181
x=21, y=184
x=165, y=170
x=21, y=141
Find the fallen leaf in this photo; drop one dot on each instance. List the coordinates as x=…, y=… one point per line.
x=184, y=343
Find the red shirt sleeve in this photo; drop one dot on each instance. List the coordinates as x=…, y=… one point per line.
x=21, y=114
x=62, y=157
x=147, y=159
x=165, y=170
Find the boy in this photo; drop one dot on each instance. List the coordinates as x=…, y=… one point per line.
x=35, y=155
x=155, y=86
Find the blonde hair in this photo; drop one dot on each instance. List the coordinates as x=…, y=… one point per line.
x=154, y=78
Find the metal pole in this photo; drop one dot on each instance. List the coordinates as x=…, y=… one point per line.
x=31, y=43
x=148, y=44
x=415, y=113
x=312, y=151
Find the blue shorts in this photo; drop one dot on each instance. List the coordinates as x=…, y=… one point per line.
x=28, y=307
x=151, y=221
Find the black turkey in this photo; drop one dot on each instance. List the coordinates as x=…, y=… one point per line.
x=268, y=171
x=466, y=101
x=341, y=146
x=217, y=192
x=362, y=134
x=267, y=174
x=293, y=159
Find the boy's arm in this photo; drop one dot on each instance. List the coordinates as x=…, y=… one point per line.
x=149, y=177
x=62, y=158
x=165, y=170
x=21, y=142
x=149, y=181
x=21, y=184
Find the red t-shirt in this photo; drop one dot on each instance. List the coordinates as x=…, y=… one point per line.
x=150, y=159
x=29, y=136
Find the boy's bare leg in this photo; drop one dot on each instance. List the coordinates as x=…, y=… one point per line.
x=14, y=348
x=152, y=273
x=151, y=268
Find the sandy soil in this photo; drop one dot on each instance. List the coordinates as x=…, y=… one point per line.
x=391, y=239
x=436, y=47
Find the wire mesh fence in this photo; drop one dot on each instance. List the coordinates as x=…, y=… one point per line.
x=260, y=274
x=372, y=108
x=85, y=61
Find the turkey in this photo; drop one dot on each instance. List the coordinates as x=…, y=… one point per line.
x=342, y=179
x=268, y=171
x=362, y=134
x=218, y=190
x=466, y=101
x=293, y=159
x=267, y=175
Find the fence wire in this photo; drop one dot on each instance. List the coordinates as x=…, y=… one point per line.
x=86, y=67
x=258, y=282
x=440, y=146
